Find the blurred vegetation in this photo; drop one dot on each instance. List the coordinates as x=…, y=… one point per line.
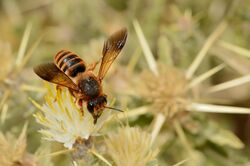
x=32, y=32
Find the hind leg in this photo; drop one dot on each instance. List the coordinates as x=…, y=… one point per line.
x=93, y=65
x=59, y=90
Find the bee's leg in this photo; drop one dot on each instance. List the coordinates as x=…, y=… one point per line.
x=77, y=101
x=92, y=66
x=71, y=92
x=80, y=103
x=59, y=90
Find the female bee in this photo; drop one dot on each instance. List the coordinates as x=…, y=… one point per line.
x=69, y=70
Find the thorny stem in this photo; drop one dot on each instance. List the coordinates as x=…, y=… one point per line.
x=181, y=162
x=127, y=114
x=211, y=108
x=55, y=153
x=30, y=53
x=209, y=42
x=205, y=75
x=23, y=45
x=145, y=48
x=4, y=113
x=160, y=119
x=234, y=48
x=26, y=87
x=230, y=84
x=4, y=97
x=100, y=157
x=134, y=60
x=183, y=138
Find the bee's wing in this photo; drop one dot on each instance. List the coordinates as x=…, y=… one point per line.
x=49, y=72
x=112, y=47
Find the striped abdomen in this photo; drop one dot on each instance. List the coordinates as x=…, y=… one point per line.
x=69, y=63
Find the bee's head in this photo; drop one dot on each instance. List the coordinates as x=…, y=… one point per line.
x=95, y=106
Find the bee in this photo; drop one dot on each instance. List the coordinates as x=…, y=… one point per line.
x=70, y=71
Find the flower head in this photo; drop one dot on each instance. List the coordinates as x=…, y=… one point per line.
x=63, y=120
x=13, y=151
x=131, y=146
x=167, y=91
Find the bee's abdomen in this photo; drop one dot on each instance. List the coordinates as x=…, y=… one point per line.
x=69, y=63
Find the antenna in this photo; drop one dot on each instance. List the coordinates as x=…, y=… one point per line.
x=112, y=108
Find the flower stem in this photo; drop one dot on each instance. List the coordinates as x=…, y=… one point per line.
x=56, y=153
x=209, y=42
x=160, y=119
x=100, y=157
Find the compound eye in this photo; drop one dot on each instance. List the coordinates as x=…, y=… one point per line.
x=90, y=107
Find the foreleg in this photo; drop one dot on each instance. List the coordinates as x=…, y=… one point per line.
x=80, y=103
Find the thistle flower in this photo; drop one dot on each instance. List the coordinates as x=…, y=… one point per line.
x=131, y=146
x=63, y=120
x=168, y=93
x=175, y=88
x=178, y=85
x=13, y=151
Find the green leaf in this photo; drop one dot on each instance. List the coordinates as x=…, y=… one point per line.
x=226, y=138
